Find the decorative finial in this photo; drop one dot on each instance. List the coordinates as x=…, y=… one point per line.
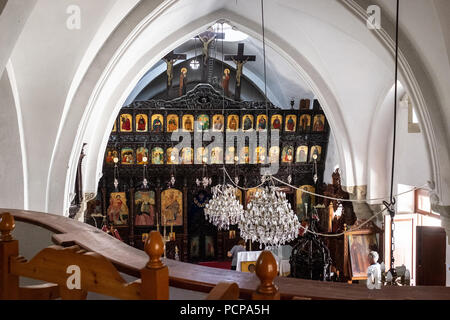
x=266, y=270
x=154, y=247
x=7, y=225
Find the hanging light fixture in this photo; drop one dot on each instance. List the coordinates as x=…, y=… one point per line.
x=224, y=209
x=269, y=219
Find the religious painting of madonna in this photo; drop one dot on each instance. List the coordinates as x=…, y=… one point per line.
x=110, y=155
x=291, y=122
x=172, y=122
x=359, y=246
x=319, y=123
x=218, y=122
x=171, y=207
x=157, y=155
x=141, y=122
x=261, y=122
x=145, y=208
x=203, y=122
x=127, y=156
x=117, y=210
x=247, y=122
x=305, y=202
x=126, y=122
x=233, y=122
x=141, y=153
x=188, y=122
x=157, y=123
x=276, y=122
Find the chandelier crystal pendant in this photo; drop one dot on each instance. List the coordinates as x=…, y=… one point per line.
x=224, y=209
x=269, y=219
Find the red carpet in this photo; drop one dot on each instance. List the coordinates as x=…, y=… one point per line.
x=217, y=264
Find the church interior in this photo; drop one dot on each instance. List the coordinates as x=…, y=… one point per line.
x=224, y=150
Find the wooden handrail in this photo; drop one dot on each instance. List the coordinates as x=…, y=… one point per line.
x=224, y=291
x=131, y=261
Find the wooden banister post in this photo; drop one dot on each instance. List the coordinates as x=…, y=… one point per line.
x=9, y=284
x=155, y=275
x=266, y=270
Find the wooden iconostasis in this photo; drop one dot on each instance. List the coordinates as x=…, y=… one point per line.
x=141, y=144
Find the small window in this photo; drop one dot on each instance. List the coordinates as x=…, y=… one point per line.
x=413, y=120
x=423, y=203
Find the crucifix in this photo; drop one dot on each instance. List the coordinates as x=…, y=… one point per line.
x=240, y=59
x=206, y=39
x=170, y=59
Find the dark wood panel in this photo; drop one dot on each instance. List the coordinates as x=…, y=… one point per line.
x=430, y=258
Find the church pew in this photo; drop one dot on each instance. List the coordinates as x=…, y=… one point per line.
x=130, y=260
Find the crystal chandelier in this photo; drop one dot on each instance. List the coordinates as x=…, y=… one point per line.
x=269, y=219
x=224, y=209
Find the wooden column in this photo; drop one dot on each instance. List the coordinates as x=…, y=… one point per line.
x=155, y=275
x=131, y=215
x=185, y=222
x=158, y=203
x=266, y=270
x=9, y=284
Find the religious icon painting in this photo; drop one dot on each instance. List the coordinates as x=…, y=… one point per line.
x=233, y=122
x=290, y=123
x=305, y=202
x=187, y=156
x=301, y=154
x=194, y=248
x=244, y=155
x=141, y=154
x=359, y=247
x=141, y=123
x=171, y=208
x=315, y=153
x=251, y=194
x=157, y=123
x=188, y=122
x=260, y=155
x=304, y=122
x=145, y=208
x=319, y=123
x=304, y=104
x=276, y=122
x=274, y=154
x=114, y=129
x=111, y=153
x=172, y=122
x=173, y=156
x=287, y=155
x=247, y=122
x=118, y=210
x=201, y=156
x=127, y=156
x=157, y=155
x=216, y=155
x=209, y=247
x=261, y=122
x=218, y=122
x=203, y=122
x=126, y=122
x=248, y=266
x=230, y=155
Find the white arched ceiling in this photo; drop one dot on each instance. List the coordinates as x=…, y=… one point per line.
x=348, y=67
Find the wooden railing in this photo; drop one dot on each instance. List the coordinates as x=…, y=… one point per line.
x=101, y=257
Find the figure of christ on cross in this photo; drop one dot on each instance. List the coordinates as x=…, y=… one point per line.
x=170, y=59
x=240, y=59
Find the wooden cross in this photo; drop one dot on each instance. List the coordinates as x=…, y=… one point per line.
x=240, y=59
x=170, y=59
